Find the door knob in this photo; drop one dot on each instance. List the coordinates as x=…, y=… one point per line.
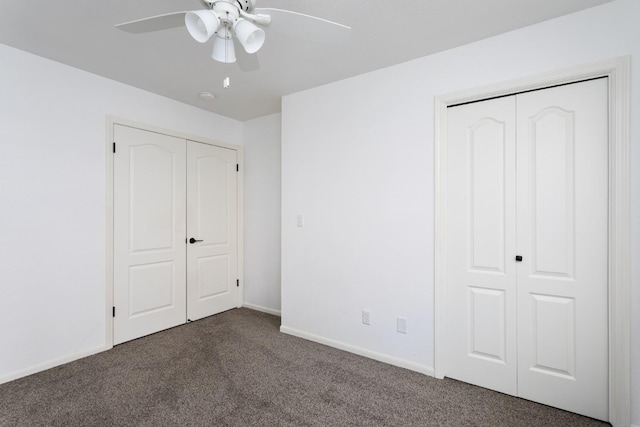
x=192, y=240
x=518, y=258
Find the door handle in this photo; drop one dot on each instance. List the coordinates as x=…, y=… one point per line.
x=192, y=240
x=518, y=258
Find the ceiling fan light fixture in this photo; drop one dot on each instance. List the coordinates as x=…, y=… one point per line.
x=223, y=47
x=201, y=24
x=250, y=36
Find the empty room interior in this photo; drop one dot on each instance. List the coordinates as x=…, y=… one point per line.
x=279, y=212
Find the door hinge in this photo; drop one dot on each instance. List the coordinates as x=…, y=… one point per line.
x=238, y=283
x=114, y=312
x=237, y=167
x=114, y=147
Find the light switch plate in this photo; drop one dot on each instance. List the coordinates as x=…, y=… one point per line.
x=402, y=325
x=366, y=317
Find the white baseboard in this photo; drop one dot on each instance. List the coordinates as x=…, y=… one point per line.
x=51, y=364
x=262, y=309
x=412, y=366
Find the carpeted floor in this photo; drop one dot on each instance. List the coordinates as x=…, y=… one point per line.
x=236, y=369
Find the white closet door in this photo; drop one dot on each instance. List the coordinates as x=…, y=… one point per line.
x=537, y=328
x=562, y=136
x=149, y=230
x=212, y=259
x=481, y=272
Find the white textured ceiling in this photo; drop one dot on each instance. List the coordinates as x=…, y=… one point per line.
x=80, y=33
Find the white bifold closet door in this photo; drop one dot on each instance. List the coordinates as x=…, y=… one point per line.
x=167, y=191
x=527, y=176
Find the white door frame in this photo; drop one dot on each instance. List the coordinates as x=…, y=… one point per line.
x=618, y=72
x=110, y=122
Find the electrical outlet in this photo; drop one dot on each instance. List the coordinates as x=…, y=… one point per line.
x=366, y=317
x=402, y=325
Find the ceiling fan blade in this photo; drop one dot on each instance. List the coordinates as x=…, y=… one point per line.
x=154, y=23
x=247, y=62
x=305, y=26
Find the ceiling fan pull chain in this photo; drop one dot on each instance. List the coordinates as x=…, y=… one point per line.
x=226, y=82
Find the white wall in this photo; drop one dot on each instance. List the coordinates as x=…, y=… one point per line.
x=53, y=201
x=262, y=213
x=358, y=162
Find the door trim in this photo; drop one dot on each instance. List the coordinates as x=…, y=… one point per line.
x=618, y=72
x=110, y=122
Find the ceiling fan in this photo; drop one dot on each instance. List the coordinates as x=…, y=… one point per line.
x=241, y=20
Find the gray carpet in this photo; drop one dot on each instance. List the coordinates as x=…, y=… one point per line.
x=236, y=369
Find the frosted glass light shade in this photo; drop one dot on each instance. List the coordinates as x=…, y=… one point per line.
x=223, y=47
x=250, y=36
x=201, y=24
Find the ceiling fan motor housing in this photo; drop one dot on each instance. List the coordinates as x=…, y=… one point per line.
x=245, y=5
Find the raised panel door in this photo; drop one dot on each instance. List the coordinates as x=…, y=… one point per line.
x=562, y=204
x=149, y=229
x=481, y=293
x=212, y=261
x=538, y=328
